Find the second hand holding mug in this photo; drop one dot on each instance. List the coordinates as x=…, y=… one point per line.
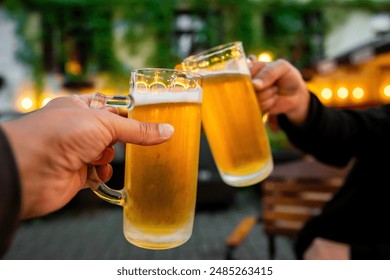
x=160, y=185
x=231, y=115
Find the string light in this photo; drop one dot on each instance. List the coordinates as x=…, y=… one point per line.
x=26, y=103
x=342, y=92
x=386, y=91
x=358, y=93
x=326, y=93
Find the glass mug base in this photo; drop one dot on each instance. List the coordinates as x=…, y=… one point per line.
x=157, y=241
x=248, y=180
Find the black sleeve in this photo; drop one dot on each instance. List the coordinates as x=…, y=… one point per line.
x=335, y=136
x=377, y=252
x=10, y=194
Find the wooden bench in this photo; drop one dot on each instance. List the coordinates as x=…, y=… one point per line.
x=286, y=206
x=294, y=192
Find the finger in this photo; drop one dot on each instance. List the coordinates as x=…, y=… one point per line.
x=86, y=98
x=267, y=93
x=252, y=58
x=256, y=67
x=266, y=104
x=105, y=157
x=257, y=84
x=104, y=172
x=111, y=109
x=136, y=132
x=272, y=72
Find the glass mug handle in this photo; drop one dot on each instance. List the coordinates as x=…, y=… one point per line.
x=265, y=118
x=98, y=101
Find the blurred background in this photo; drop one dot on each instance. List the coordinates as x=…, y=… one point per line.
x=50, y=48
x=56, y=47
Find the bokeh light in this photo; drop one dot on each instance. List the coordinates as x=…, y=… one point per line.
x=326, y=93
x=342, y=92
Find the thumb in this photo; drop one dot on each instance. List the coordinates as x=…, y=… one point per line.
x=137, y=132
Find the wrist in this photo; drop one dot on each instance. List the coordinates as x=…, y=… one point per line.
x=298, y=114
x=27, y=152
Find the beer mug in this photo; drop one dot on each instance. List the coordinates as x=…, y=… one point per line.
x=231, y=115
x=160, y=181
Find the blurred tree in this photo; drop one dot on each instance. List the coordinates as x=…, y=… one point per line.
x=77, y=36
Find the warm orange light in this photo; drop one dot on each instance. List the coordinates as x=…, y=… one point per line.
x=265, y=57
x=358, y=93
x=386, y=91
x=342, y=92
x=73, y=67
x=326, y=93
x=26, y=103
x=46, y=100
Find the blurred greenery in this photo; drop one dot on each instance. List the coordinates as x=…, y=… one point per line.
x=281, y=26
x=278, y=139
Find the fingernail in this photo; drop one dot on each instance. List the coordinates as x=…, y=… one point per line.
x=258, y=82
x=252, y=57
x=165, y=130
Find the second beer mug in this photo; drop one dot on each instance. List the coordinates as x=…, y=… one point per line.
x=231, y=116
x=160, y=181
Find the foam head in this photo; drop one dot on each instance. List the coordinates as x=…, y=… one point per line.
x=147, y=98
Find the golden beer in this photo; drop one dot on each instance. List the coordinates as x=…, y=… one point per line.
x=159, y=192
x=161, y=180
x=233, y=124
x=231, y=115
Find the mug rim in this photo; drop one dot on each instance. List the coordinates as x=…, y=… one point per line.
x=185, y=72
x=209, y=52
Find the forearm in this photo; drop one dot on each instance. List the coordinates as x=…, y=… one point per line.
x=320, y=134
x=370, y=252
x=334, y=136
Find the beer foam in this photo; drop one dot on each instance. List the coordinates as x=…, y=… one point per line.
x=205, y=73
x=167, y=97
x=234, y=66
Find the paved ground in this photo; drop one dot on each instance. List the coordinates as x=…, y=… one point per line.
x=89, y=229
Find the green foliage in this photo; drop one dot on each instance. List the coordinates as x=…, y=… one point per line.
x=89, y=24
x=145, y=19
x=278, y=139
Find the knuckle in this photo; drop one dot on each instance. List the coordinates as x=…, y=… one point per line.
x=146, y=131
x=143, y=132
x=282, y=62
x=266, y=74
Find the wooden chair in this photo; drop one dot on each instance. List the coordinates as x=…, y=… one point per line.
x=294, y=192
x=286, y=206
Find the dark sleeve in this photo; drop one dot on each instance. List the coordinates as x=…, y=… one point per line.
x=10, y=194
x=377, y=252
x=334, y=136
